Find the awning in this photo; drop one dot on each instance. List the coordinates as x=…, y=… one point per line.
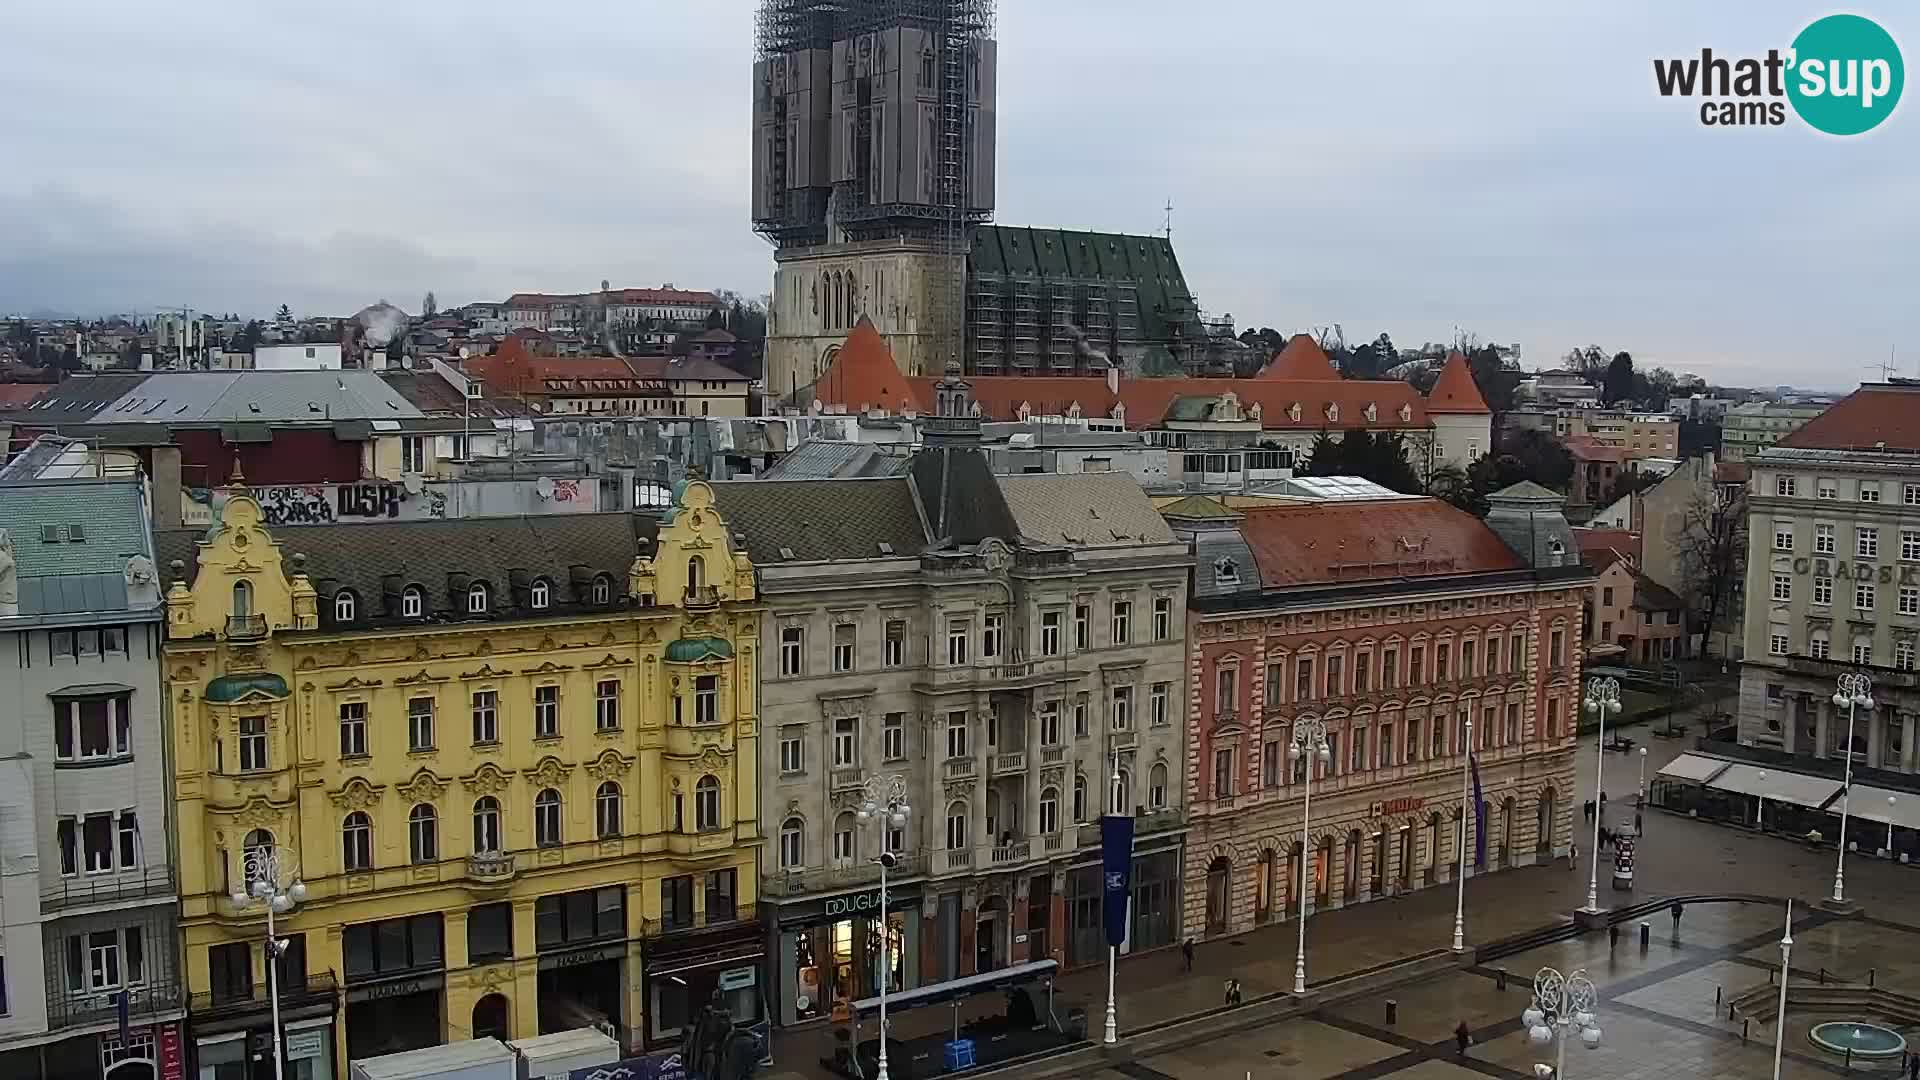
x=960, y=988
x=1778, y=785
x=1694, y=768
x=1870, y=803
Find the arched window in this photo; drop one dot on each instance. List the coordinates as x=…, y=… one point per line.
x=696, y=572
x=1122, y=795
x=423, y=834
x=343, y=606
x=957, y=835
x=258, y=845
x=706, y=804
x=843, y=846
x=413, y=602
x=356, y=837
x=602, y=590
x=546, y=818
x=477, y=599
x=490, y=1017
x=242, y=598
x=793, y=844
x=540, y=595
x=1157, y=786
x=1049, y=810
x=486, y=825
x=606, y=810
x=1079, y=797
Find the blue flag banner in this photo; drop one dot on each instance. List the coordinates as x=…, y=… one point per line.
x=1479, y=816
x=1116, y=866
x=122, y=1005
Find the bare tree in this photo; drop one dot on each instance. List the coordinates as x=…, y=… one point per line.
x=1711, y=549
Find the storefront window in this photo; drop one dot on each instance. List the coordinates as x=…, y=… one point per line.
x=827, y=967
x=679, y=997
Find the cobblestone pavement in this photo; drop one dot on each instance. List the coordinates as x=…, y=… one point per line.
x=1657, y=1006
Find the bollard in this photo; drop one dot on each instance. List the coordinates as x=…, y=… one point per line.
x=1646, y=934
x=1849, y=1065
x=1729, y=1012
x=1500, y=979
x=1613, y=935
x=1393, y=1012
x=1717, y=991
x=1871, y=972
x=1743, y=1029
x=1769, y=976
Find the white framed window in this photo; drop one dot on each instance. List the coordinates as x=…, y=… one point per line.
x=895, y=645
x=1786, y=486
x=606, y=810
x=343, y=606
x=356, y=842
x=1910, y=494
x=1869, y=491
x=1226, y=689
x=1049, y=811
x=547, y=823
x=130, y=848
x=846, y=742
x=957, y=835
x=957, y=733
x=1122, y=708
x=413, y=602
x=706, y=804
x=540, y=597
x=477, y=599
x=1050, y=633
x=1159, y=704
x=1910, y=545
x=253, y=743
x=1783, y=536
x=1866, y=542
x=1863, y=653
x=423, y=834
x=792, y=756
x=1903, y=655
x=793, y=640
x=353, y=729
x=993, y=636
x=1783, y=587
x=793, y=844
x=546, y=712
x=486, y=717
x=893, y=737
x=1823, y=590
x=1909, y=600
x=602, y=590
x=1050, y=723
x=1823, y=543
x=1122, y=621
x=486, y=825
x=92, y=729
x=1082, y=627
x=959, y=633
x=706, y=699
x=1819, y=646
x=1162, y=618
x=1777, y=644
x=606, y=705
x=420, y=723
x=843, y=846
x=845, y=644
x=1079, y=797
x=1157, y=786
x=1826, y=489
x=1863, y=596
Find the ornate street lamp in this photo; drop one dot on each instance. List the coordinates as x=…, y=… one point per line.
x=1855, y=692
x=1603, y=697
x=885, y=798
x=1309, y=743
x=269, y=880
x=1562, y=1004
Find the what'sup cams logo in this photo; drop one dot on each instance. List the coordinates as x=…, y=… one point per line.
x=1842, y=76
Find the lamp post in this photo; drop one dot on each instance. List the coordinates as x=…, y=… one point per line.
x=1460, y=886
x=1855, y=692
x=1603, y=697
x=1309, y=743
x=1561, y=1003
x=1760, y=802
x=1891, y=802
x=885, y=798
x=268, y=879
x=1780, y=1021
x=1111, y=1034
x=1642, y=793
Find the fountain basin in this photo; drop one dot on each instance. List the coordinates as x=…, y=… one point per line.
x=1863, y=1039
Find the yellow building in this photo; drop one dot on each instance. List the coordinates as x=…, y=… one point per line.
x=512, y=761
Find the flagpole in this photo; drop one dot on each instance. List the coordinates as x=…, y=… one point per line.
x=1786, y=963
x=1460, y=891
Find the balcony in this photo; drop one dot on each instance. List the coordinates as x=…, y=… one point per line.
x=1055, y=843
x=847, y=779
x=836, y=878
x=493, y=869
x=1008, y=764
x=701, y=596
x=1011, y=854
x=153, y=882
x=1053, y=755
x=246, y=627
x=1830, y=667
x=953, y=861
x=318, y=988
x=1122, y=740
x=961, y=768
x=1146, y=824
x=66, y=1009
x=686, y=741
x=743, y=915
x=988, y=675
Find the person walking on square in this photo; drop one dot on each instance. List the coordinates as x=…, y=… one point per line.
x=1462, y=1038
x=1186, y=954
x=1913, y=1067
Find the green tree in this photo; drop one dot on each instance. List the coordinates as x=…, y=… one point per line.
x=1495, y=381
x=1539, y=457
x=429, y=307
x=716, y=319
x=1618, y=384
x=1377, y=456
x=1630, y=482
x=251, y=334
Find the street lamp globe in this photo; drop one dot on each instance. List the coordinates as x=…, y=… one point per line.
x=238, y=897
x=1532, y=1017
x=1590, y=1036
x=298, y=892
x=1540, y=1034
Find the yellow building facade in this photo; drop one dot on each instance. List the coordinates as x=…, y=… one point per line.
x=512, y=762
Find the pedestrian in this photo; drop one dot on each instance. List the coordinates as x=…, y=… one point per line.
x=1913, y=1067
x=1462, y=1038
x=1603, y=800
x=1606, y=838
x=1586, y=809
x=1186, y=953
x=1233, y=992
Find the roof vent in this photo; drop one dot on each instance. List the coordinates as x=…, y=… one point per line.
x=886, y=548
x=787, y=553
x=49, y=534
x=76, y=534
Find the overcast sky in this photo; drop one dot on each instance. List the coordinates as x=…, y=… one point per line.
x=1507, y=169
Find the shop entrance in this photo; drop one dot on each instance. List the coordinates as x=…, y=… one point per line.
x=387, y=1023
x=839, y=963
x=582, y=990
x=990, y=935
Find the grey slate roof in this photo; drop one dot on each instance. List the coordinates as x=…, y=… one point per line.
x=66, y=575
x=377, y=560
x=818, y=459
x=1091, y=509
x=212, y=397
x=960, y=496
x=819, y=520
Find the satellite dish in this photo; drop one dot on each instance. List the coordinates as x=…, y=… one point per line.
x=543, y=487
x=413, y=483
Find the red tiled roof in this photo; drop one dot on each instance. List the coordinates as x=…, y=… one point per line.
x=863, y=374
x=1302, y=358
x=681, y=297
x=1874, y=417
x=1344, y=542
x=1624, y=541
x=22, y=393
x=1455, y=391
x=1731, y=472
x=1601, y=559
x=1588, y=448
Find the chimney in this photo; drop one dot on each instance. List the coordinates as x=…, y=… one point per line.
x=1113, y=380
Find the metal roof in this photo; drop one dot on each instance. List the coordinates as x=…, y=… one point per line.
x=184, y=397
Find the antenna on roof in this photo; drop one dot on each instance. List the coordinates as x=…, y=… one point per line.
x=1169, y=225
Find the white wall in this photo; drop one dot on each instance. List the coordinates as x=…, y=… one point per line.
x=320, y=357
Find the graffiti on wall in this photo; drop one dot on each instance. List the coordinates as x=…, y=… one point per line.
x=295, y=505
x=323, y=504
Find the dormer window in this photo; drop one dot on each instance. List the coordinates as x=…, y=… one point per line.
x=602, y=590
x=413, y=602
x=477, y=600
x=1225, y=572
x=542, y=595
x=344, y=607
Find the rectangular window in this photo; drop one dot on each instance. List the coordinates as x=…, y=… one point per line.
x=1049, y=633
x=546, y=712
x=1866, y=543
x=790, y=756
x=230, y=971
x=1417, y=666
x=1386, y=746
x=420, y=723
x=957, y=733
x=893, y=737
x=96, y=838
x=1361, y=663
x=721, y=891
x=792, y=641
x=1050, y=723
x=1081, y=705
x=1159, y=698
x=1783, y=587
x=129, y=839
x=843, y=647
x=1336, y=676
x=1783, y=538
x=959, y=633
x=1823, y=542
x=1443, y=663
x=1222, y=774
x=1226, y=690
x=1413, y=741
x=1122, y=708
x=486, y=717
x=1082, y=627
x=1512, y=733
x=1903, y=655
x=1786, y=486
x=894, y=648
x=676, y=902
x=1390, y=669
x=1863, y=596
x=1823, y=590
x=1869, y=492
x=1557, y=649
x=253, y=743
x=1826, y=489
x=846, y=742
x=1271, y=754
x=1777, y=644
x=1910, y=494
x=992, y=636
x=1162, y=618
x=1303, y=679
x=1909, y=600
x=489, y=932
x=1910, y=545
x=1122, y=622
x=606, y=705
x=1862, y=652
x=1818, y=647
x=88, y=729
x=67, y=831
x=706, y=699
x=1466, y=659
